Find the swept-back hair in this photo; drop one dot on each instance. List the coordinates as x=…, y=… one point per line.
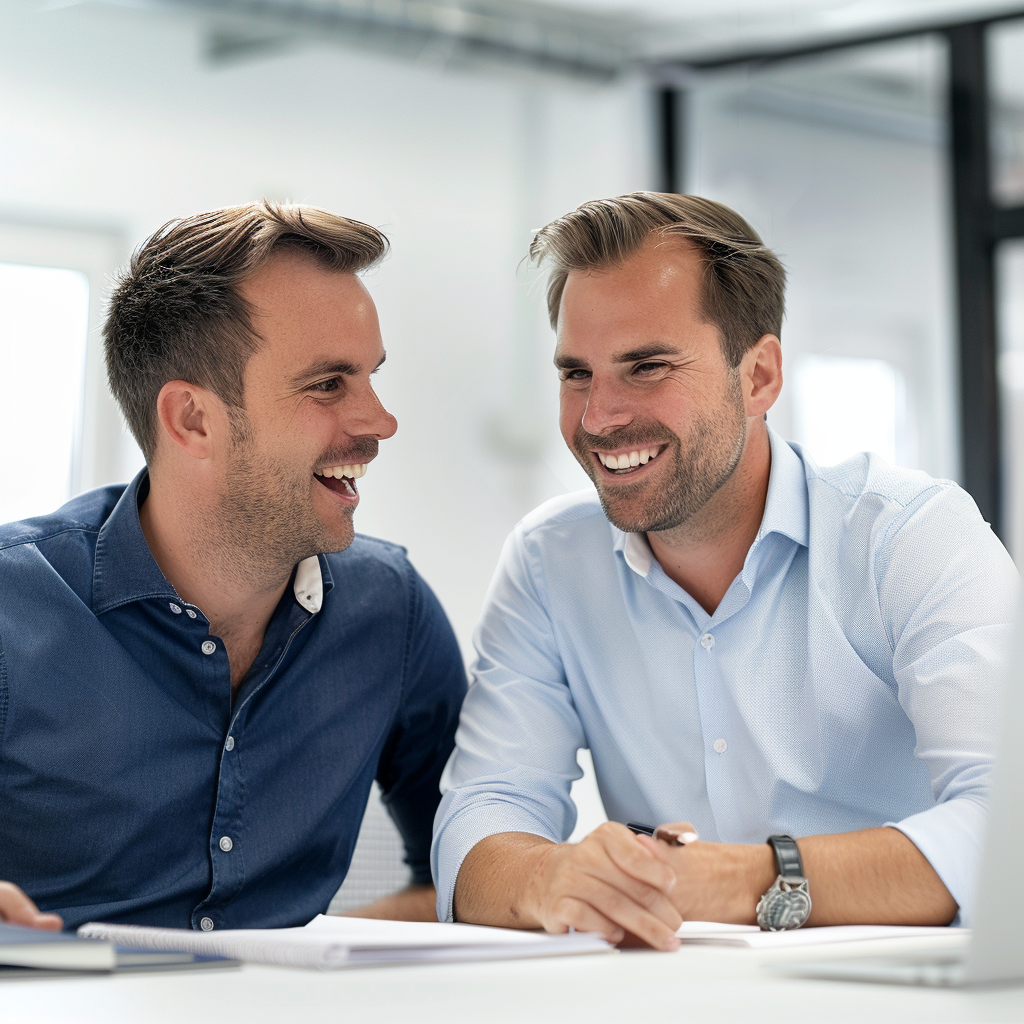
x=744, y=285
x=176, y=314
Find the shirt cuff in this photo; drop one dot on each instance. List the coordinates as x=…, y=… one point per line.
x=950, y=835
x=457, y=831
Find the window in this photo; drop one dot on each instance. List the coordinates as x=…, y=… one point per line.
x=844, y=405
x=44, y=325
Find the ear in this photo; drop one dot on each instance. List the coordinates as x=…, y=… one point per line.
x=190, y=417
x=761, y=375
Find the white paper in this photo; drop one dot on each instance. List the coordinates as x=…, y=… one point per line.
x=332, y=942
x=710, y=933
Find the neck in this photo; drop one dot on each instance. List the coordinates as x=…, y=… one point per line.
x=207, y=569
x=706, y=553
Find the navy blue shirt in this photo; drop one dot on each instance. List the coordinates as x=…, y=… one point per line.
x=134, y=789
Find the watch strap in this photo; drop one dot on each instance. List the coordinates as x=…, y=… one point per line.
x=787, y=856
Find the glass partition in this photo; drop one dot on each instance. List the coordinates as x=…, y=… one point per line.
x=840, y=163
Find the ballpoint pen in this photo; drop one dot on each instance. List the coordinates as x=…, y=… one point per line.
x=670, y=834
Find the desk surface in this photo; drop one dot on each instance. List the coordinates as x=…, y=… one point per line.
x=690, y=985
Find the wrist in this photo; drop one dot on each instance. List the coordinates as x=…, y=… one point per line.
x=763, y=872
x=535, y=869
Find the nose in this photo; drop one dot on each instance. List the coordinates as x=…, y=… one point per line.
x=374, y=420
x=606, y=410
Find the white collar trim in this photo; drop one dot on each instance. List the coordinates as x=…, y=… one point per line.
x=309, y=584
x=637, y=552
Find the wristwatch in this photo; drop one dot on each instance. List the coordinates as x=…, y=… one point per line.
x=787, y=904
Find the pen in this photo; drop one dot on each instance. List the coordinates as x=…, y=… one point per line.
x=666, y=833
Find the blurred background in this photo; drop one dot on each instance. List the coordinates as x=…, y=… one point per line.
x=877, y=145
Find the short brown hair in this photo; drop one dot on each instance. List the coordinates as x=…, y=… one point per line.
x=744, y=281
x=176, y=314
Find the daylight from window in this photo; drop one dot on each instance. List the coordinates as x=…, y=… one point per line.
x=44, y=322
x=844, y=405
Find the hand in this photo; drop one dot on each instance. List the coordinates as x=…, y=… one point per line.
x=17, y=908
x=613, y=882
x=719, y=881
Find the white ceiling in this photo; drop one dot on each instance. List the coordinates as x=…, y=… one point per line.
x=587, y=39
x=701, y=29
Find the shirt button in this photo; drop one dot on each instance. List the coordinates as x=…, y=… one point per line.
x=175, y=608
x=206, y=924
x=226, y=844
x=191, y=614
x=209, y=647
x=720, y=746
x=707, y=641
x=229, y=743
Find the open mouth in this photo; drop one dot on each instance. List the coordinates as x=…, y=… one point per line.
x=624, y=463
x=341, y=479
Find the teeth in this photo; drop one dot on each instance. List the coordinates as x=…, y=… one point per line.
x=353, y=472
x=635, y=458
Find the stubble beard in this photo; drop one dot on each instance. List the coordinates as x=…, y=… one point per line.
x=265, y=521
x=712, y=452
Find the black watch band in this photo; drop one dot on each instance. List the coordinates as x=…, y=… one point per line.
x=787, y=856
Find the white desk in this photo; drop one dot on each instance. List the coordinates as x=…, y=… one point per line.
x=684, y=987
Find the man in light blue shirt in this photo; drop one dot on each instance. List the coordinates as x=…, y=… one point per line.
x=742, y=639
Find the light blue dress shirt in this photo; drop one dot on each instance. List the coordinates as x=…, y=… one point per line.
x=849, y=678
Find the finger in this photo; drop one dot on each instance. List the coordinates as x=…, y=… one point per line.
x=648, y=897
x=619, y=908
x=646, y=862
x=573, y=913
x=17, y=908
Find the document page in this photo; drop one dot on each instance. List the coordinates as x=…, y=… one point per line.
x=334, y=942
x=710, y=933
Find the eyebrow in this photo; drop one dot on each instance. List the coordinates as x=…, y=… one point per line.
x=634, y=355
x=331, y=368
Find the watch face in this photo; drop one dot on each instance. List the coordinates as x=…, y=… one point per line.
x=786, y=909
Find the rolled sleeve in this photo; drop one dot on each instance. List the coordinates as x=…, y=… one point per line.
x=948, y=588
x=515, y=750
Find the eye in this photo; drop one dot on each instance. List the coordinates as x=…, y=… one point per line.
x=575, y=376
x=326, y=386
x=648, y=368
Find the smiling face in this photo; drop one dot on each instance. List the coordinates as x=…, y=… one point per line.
x=649, y=405
x=311, y=421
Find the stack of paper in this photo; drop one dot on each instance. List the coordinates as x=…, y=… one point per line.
x=333, y=942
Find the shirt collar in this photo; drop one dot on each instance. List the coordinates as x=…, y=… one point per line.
x=125, y=570
x=785, y=510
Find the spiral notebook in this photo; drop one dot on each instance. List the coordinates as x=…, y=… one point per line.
x=328, y=943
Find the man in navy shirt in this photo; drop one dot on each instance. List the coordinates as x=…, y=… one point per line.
x=202, y=673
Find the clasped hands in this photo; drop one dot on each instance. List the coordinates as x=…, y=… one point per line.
x=630, y=887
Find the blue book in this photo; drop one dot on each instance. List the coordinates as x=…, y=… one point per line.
x=61, y=951
x=27, y=951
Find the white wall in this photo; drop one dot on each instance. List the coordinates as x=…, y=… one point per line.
x=111, y=118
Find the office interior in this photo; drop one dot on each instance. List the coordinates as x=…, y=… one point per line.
x=459, y=128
